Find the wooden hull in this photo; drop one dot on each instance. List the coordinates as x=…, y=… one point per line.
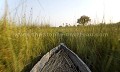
x=60, y=59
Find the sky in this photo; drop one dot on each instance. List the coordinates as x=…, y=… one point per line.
x=57, y=12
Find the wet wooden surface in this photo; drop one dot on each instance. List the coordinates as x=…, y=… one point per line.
x=59, y=62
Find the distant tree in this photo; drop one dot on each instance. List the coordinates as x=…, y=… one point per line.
x=74, y=25
x=63, y=24
x=83, y=20
x=66, y=25
x=118, y=23
x=60, y=26
x=78, y=25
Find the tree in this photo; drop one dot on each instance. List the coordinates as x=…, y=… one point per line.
x=83, y=20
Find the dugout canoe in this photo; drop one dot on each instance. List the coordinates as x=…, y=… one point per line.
x=60, y=59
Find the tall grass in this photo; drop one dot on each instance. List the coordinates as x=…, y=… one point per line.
x=98, y=46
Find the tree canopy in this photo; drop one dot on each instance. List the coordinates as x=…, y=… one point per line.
x=83, y=19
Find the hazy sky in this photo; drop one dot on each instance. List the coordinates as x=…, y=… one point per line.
x=58, y=12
